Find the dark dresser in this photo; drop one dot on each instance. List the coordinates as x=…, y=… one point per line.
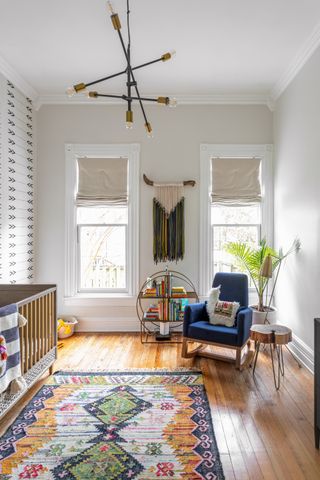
x=317, y=381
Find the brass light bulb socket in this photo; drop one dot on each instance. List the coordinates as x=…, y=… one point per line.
x=93, y=94
x=163, y=100
x=79, y=87
x=129, y=116
x=166, y=56
x=116, y=21
x=148, y=127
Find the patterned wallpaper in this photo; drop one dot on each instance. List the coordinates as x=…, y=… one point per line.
x=16, y=185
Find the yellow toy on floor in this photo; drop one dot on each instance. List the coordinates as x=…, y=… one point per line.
x=66, y=327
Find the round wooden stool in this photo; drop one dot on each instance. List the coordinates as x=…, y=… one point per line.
x=275, y=336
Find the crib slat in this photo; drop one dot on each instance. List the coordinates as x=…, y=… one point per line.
x=23, y=343
x=38, y=328
x=21, y=347
x=45, y=323
x=29, y=335
x=42, y=326
x=50, y=321
x=26, y=340
x=33, y=326
x=53, y=321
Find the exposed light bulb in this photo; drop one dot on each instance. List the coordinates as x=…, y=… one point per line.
x=110, y=7
x=168, y=55
x=163, y=100
x=83, y=92
x=129, y=119
x=149, y=130
x=70, y=91
x=172, y=102
x=91, y=94
x=79, y=88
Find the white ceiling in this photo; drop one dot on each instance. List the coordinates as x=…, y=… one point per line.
x=224, y=47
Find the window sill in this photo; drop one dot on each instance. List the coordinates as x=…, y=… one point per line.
x=101, y=299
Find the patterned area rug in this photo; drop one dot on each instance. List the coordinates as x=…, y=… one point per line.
x=120, y=425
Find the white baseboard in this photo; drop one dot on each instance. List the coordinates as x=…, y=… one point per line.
x=302, y=352
x=127, y=324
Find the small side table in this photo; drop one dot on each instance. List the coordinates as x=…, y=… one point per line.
x=275, y=336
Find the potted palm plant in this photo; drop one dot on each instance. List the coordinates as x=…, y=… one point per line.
x=261, y=264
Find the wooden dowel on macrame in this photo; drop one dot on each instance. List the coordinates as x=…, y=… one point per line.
x=190, y=183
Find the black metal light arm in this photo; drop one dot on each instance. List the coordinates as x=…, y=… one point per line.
x=126, y=98
x=118, y=74
x=96, y=95
x=161, y=59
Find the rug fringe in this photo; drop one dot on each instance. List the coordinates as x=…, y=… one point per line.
x=145, y=370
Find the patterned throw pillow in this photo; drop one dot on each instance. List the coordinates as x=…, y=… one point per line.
x=224, y=313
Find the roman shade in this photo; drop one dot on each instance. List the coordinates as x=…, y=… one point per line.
x=102, y=181
x=235, y=181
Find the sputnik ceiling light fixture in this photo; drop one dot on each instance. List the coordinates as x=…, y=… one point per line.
x=131, y=81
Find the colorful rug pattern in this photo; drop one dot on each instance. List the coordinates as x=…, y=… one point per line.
x=117, y=426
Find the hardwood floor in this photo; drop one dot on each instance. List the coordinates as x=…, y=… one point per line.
x=261, y=433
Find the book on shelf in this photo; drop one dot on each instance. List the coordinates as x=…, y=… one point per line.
x=161, y=289
x=152, y=313
x=151, y=317
x=151, y=292
x=178, y=292
x=176, y=309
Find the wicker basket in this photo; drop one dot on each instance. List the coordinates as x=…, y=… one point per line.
x=67, y=329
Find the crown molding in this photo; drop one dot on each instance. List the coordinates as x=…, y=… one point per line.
x=214, y=99
x=13, y=76
x=301, y=58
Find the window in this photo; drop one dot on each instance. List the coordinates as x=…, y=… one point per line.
x=102, y=248
x=234, y=207
x=102, y=220
x=233, y=224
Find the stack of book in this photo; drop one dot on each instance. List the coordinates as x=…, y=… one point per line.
x=152, y=313
x=178, y=292
x=150, y=292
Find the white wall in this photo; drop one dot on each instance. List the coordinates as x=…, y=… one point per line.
x=297, y=200
x=173, y=154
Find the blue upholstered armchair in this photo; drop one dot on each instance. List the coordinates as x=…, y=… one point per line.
x=196, y=326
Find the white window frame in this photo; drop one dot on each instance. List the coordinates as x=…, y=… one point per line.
x=72, y=153
x=207, y=152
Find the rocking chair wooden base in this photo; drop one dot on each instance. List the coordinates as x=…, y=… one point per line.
x=201, y=351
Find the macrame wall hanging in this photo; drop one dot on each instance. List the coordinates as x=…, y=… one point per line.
x=168, y=220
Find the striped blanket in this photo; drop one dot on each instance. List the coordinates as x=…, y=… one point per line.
x=10, y=370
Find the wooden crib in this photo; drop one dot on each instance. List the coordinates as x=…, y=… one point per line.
x=38, y=338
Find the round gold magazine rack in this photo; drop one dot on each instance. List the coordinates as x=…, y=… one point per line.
x=172, y=291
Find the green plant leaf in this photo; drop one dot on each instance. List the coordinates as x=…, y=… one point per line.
x=250, y=260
